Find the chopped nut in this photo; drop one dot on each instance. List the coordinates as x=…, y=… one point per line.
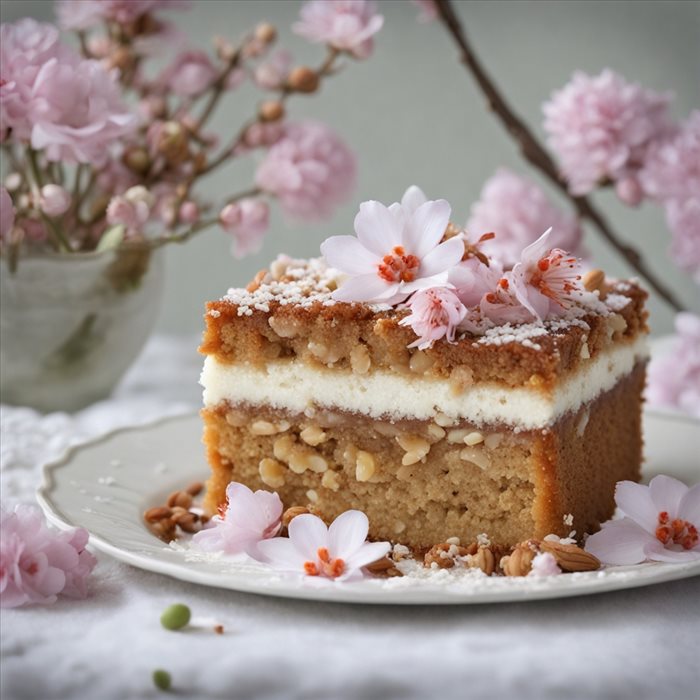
x=284, y=327
x=460, y=379
x=153, y=515
x=189, y=522
x=312, y=495
x=452, y=540
x=519, y=561
x=257, y=280
x=323, y=353
x=384, y=567
x=420, y=362
x=180, y=498
x=301, y=460
x=272, y=472
x=236, y=418
x=617, y=323
x=473, y=438
x=364, y=466
x=443, y=555
x=570, y=557
x=415, y=447
x=595, y=280
x=282, y=447
x=493, y=440
x=292, y=513
x=457, y=435
x=264, y=427
x=476, y=456
x=484, y=559
x=585, y=352
x=313, y=435
x=360, y=360
x=386, y=429
x=195, y=488
x=444, y=421
x=436, y=432
x=330, y=480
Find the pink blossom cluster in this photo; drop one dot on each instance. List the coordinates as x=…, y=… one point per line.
x=674, y=376
x=82, y=14
x=251, y=521
x=400, y=256
x=518, y=210
x=57, y=101
x=37, y=564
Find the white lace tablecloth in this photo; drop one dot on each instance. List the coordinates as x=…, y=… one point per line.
x=635, y=644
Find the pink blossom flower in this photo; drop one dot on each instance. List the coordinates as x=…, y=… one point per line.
x=54, y=200
x=428, y=10
x=346, y=25
x=601, y=127
x=672, y=167
x=673, y=379
x=683, y=218
x=82, y=14
x=546, y=280
x=36, y=564
x=310, y=170
x=517, y=210
x=338, y=552
x=248, y=221
x=260, y=134
x=250, y=517
x=660, y=523
x=394, y=254
x=7, y=214
x=544, y=564
x=272, y=74
x=436, y=313
x=501, y=305
x=131, y=210
x=190, y=74
x=189, y=212
x=472, y=279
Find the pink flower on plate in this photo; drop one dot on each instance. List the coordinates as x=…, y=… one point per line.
x=601, y=127
x=310, y=170
x=7, y=214
x=189, y=74
x=36, y=564
x=436, y=313
x=346, y=25
x=82, y=14
x=338, y=552
x=546, y=280
x=673, y=380
x=517, y=210
x=672, y=167
x=248, y=221
x=544, y=564
x=394, y=254
x=250, y=517
x=660, y=523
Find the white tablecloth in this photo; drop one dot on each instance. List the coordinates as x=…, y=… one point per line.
x=636, y=644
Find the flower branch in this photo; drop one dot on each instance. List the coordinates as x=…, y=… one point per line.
x=538, y=156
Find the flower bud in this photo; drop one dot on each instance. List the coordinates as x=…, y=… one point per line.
x=173, y=142
x=54, y=200
x=189, y=212
x=225, y=50
x=303, y=79
x=265, y=33
x=13, y=182
x=247, y=221
x=629, y=191
x=136, y=158
x=271, y=111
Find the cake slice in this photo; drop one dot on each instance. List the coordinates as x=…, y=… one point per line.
x=516, y=431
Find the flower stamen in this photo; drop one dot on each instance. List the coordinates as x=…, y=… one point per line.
x=676, y=531
x=398, y=267
x=332, y=568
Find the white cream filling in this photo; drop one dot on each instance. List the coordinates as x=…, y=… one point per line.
x=297, y=387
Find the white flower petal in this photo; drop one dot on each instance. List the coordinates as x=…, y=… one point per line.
x=689, y=507
x=412, y=198
x=666, y=493
x=307, y=533
x=367, y=554
x=538, y=249
x=347, y=254
x=634, y=500
x=425, y=227
x=377, y=228
x=656, y=551
x=370, y=287
x=442, y=258
x=347, y=533
x=619, y=542
x=281, y=553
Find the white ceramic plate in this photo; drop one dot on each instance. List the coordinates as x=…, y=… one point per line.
x=105, y=486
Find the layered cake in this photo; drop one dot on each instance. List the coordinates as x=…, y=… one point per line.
x=437, y=406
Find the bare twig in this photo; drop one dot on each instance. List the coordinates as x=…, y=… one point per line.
x=538, y=156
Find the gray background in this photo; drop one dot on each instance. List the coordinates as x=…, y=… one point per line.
x=413, y=116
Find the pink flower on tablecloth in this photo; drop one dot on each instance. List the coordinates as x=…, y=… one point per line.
x=310, y=170
x=346, y=25
x=660, y=523
x=7, y=214
x=544, y=564
x=37, y=564
x=54, y=200
x=673, y=379
x=82, y=14
x=517, y=210
x=428, y=10
x=189, y=74
x=250, y=517
x=601, y=127
x=338, y=552
x=546, y=280
x=394, y=254
x=436, y=313
x=248, y=221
